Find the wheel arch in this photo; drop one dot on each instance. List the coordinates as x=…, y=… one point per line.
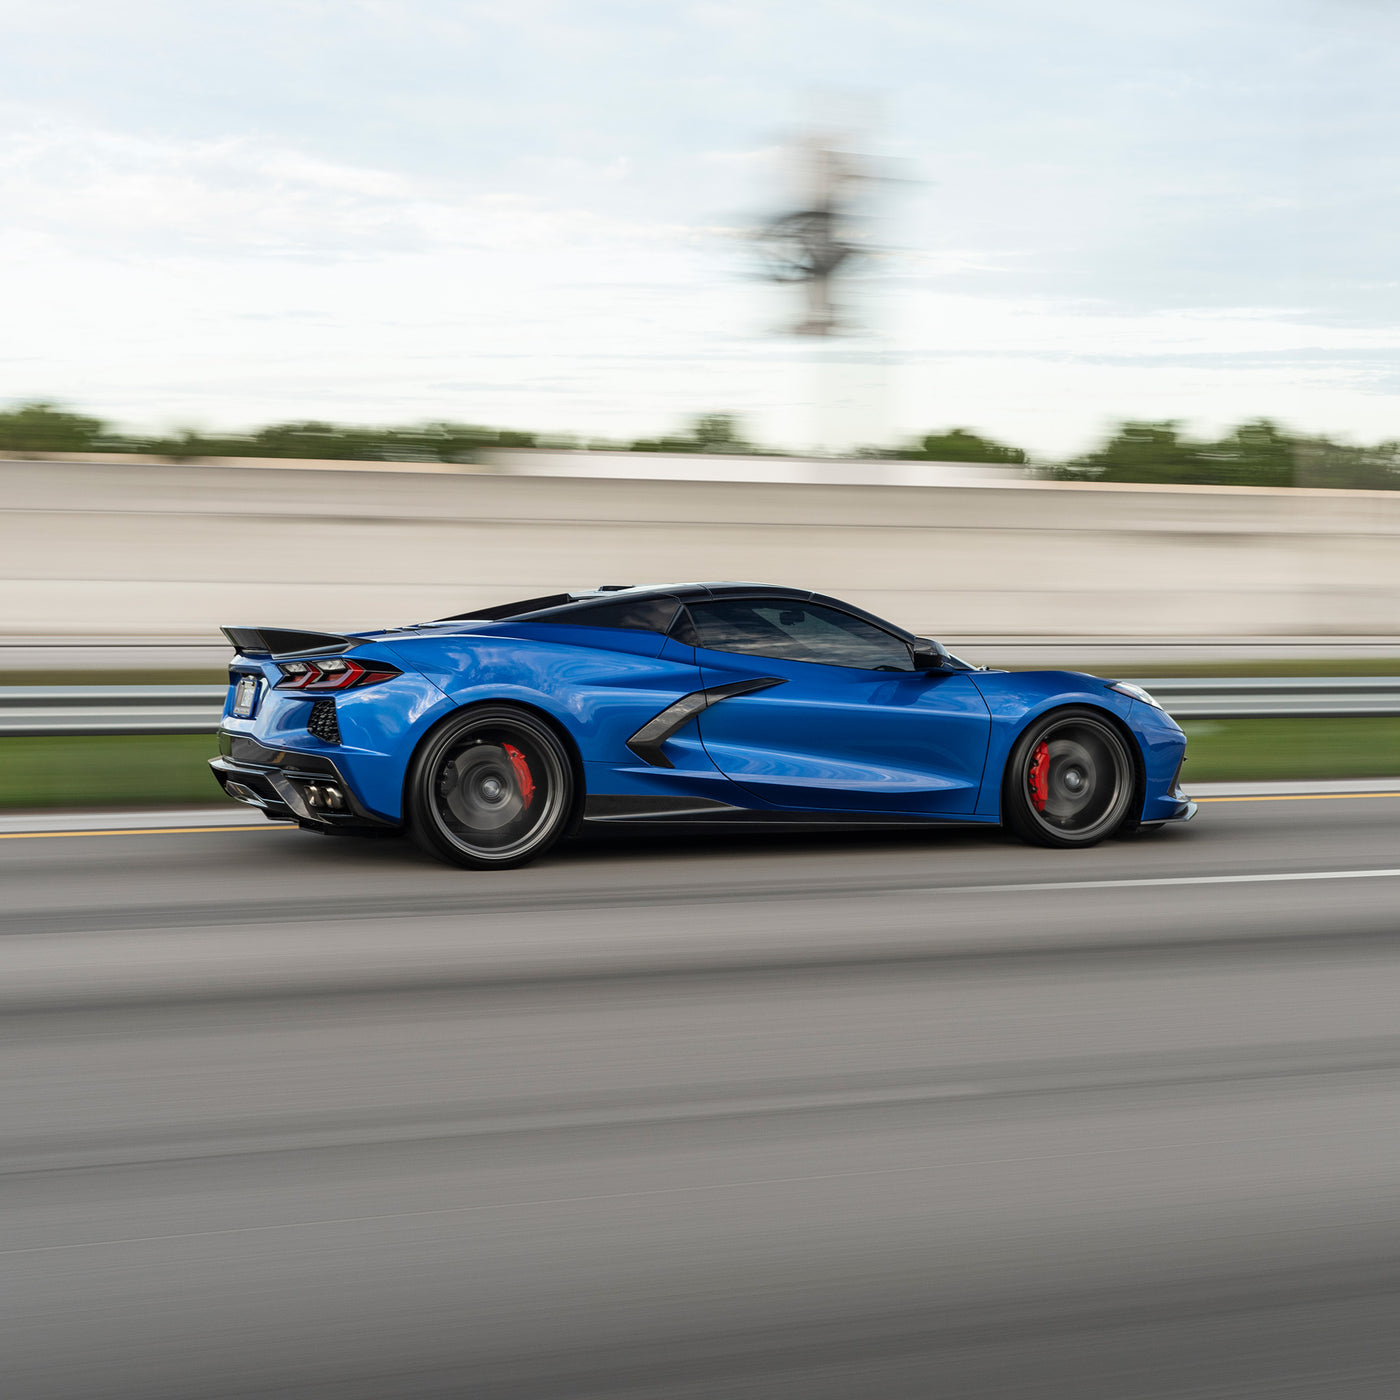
x=1115, y=722
x=550, y=721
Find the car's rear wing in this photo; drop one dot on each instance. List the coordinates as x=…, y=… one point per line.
x=285, y=641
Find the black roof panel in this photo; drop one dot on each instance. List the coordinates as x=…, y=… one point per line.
x=613, y=601
x=560, y=602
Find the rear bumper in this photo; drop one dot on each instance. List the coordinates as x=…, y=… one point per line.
x=289, y=786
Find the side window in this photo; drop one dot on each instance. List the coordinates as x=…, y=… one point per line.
x=794, y=631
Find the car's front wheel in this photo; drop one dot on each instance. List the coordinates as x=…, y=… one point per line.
x=492, y=789
x=1069, y=781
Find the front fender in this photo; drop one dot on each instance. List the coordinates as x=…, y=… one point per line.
x=1016, y=698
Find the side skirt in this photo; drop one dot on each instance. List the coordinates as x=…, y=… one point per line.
x=605, y=810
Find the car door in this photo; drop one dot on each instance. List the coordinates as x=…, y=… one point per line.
x=848, y=725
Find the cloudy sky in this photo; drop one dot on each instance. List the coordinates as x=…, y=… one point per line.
x=528, y=213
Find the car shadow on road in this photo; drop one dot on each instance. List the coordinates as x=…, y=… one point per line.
x=612, y=848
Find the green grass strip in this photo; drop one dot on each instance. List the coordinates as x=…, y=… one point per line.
x=1260, y=749
x=132, y=770
x=153, y=770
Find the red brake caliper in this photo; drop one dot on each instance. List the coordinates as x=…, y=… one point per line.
x=522, y=772
x=1039, y=775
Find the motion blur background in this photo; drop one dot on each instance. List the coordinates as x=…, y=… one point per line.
x=1065, y=333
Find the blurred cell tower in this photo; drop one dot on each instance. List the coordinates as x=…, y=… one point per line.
x=809, y=245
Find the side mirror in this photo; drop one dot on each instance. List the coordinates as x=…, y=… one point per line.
x=929, y=655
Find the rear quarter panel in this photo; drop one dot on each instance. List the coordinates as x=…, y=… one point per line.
x=599, y=685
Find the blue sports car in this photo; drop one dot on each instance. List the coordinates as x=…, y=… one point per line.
x=490, y=735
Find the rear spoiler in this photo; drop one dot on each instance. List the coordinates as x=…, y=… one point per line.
x=285, y=641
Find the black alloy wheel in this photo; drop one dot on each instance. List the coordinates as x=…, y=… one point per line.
x=1070, y=780
x=492, y=789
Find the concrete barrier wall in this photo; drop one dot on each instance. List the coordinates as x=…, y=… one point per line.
x=124, y=548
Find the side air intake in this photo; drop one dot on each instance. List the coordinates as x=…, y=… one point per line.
x=647, y=741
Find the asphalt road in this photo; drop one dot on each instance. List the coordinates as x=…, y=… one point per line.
x=929, y=1115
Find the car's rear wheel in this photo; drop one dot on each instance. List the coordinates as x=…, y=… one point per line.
x=1069, y=780
x=490, y=790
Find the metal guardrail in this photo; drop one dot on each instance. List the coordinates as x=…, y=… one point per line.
x=1264, y=697
x=196, y=709
x=110, y=709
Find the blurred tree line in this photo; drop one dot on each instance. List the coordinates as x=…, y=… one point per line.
x=43, y=427
x=955, y=445
x=1258, y=453
x=1254, y=454
x=715, y=432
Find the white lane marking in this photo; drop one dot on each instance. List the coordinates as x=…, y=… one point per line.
x=133, y=819
x=1279, y=877
x=1303, y=797
x=1295, y=787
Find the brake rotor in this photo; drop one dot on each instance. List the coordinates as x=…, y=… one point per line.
x=483, y=788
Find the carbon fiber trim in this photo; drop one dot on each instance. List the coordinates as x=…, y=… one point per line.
x=606, y=808
x=284, y=641
x=646, y=742
x=247, y=751
x=273, y=785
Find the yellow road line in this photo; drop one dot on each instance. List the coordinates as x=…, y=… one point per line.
x=1301, y=797
x=141, y=831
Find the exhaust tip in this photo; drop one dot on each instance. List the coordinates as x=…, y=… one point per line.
x=325, y=797
x=241, y=793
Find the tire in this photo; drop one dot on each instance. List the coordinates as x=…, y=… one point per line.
x=492, y=789
x=1070, y=780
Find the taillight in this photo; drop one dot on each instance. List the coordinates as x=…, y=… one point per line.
x=336, y=673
